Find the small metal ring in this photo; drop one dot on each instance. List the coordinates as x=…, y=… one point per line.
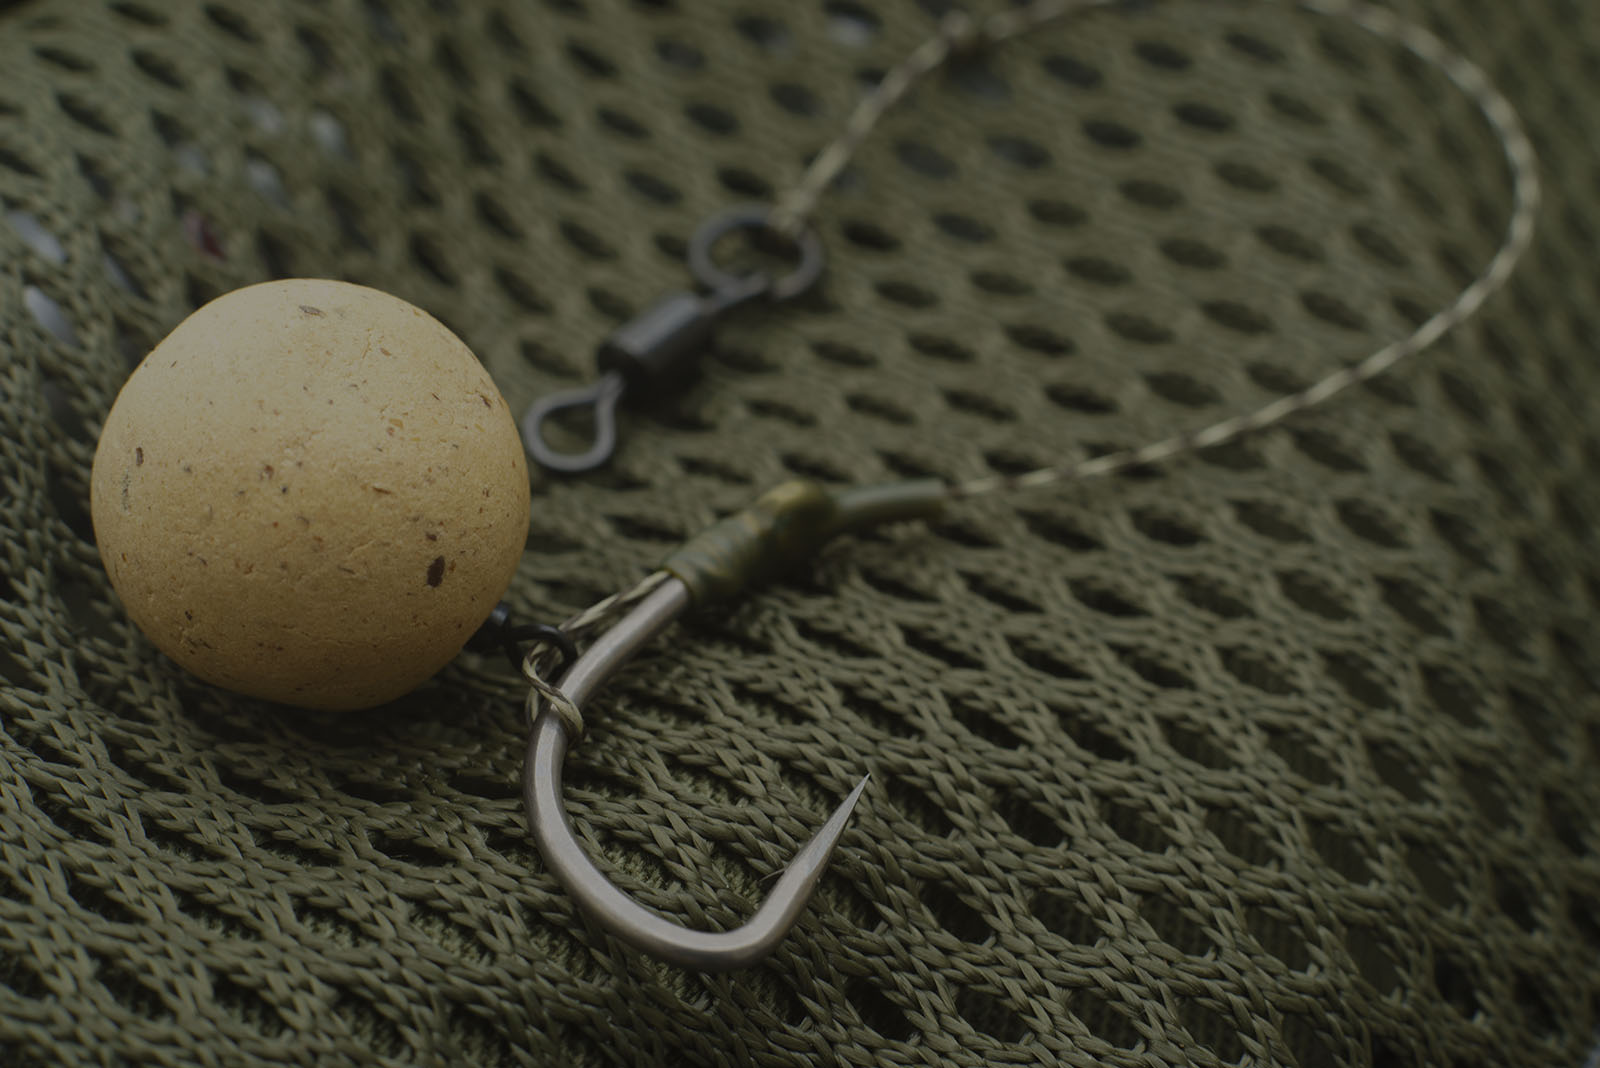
x=754, y=217
x=542, y=632
x=602, y=396
x=498, y=632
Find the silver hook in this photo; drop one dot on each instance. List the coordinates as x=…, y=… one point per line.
x=603, y=396
x=609, y=906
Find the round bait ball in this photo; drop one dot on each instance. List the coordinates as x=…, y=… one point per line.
x=310, y=492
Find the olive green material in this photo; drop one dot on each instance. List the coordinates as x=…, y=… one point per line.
x=864, y=507
x=787, y=524
x=1284, y=754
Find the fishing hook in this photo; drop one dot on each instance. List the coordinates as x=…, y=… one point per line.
x=788, y=523
x=603, y=901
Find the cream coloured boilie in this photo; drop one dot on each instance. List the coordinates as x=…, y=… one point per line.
x=310, y=492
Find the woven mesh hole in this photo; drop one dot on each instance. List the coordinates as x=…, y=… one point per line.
x=1584, y=912
x=1063, y=913
x=1456, y=983
x=1307, y=1044
x=1535, y=1004
x=1386, y=1056
x=878, y=1012
x=1104, y=1020
x=1175, y=927
x=1029, y=822
x=1245, y=841
x=1562, y=816
x=97, y=900
x=1373, y=960
x=990, y=1016
x=129, y=989
x=1343, y=851
x=20, y=977
x=371, y=1025
x=1301, y=754
x=248, y=1004
x=1279, y=937
x=1196, y=744
x=1212, y=1030
x=14, y=672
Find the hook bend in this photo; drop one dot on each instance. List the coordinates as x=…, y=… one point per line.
x=609, y=906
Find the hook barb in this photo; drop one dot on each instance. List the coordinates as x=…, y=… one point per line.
x=609, y=906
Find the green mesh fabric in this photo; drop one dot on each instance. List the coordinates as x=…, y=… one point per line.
x=1282, y=754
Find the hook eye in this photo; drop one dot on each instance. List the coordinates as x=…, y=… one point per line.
x=499, y=633
x=602, y=396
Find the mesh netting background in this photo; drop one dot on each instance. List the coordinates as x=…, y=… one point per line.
x=1282, y=754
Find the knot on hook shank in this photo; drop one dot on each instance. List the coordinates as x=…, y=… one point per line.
x=552, y=649
x=787, y=524
x=570, y=715
x=555, y=649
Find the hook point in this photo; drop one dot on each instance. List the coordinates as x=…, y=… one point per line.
x=849, y=803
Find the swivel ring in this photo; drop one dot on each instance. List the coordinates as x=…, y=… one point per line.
x=806, y=246
x=541, y=632
x=498, y=632
x=601, y=397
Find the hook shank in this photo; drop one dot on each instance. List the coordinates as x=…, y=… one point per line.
x=595, y=894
